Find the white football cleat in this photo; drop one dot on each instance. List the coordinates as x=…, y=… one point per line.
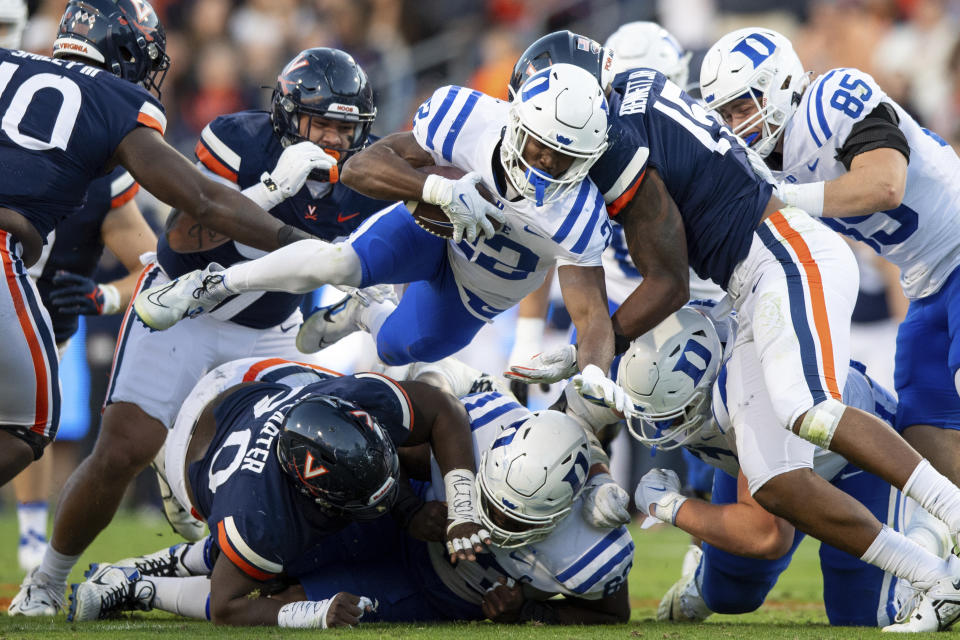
x=38, y=596
x=327, y=325
x=165, y=563
x=164, y=305
x=683, y=602
x=109, y=589
x=176, y=514
x=937, y=609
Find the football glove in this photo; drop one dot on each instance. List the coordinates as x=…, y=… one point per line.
x=546, y=368
x=605, y=502
x=469, y=211
x=660, y=489
x=596, y=387
x=288, y=177
x=74, y=294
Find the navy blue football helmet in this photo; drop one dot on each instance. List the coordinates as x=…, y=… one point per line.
x=327, y=83
x=124, y=37
x=567, y=47
x=340, y=456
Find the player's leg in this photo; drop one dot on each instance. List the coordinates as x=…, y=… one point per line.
x=430, y=323
x=796, y=309
x=856, y=593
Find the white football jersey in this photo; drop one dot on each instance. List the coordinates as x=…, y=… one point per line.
x=462, y=127
x=576, y=559
x=920, y=236
x=623, y=277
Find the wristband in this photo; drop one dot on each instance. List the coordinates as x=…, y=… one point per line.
x=305, y=614
x=666, y=508
x=808, y=197
x=461, y=496
x=437, y=190
x=288, y=234
x=111, y=299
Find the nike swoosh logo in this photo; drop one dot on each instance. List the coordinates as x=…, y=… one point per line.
x=813, y=165
x=657, y=488
x=343, y=218
x=844, y=476
x=285, y=329
x=465, y=203
x=531, y=231
x=513, y=554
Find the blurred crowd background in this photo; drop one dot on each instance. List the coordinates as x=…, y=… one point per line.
x=226, y=55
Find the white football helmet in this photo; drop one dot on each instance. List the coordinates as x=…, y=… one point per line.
x=668, y=373
x=647, y=44
x=13, y=15
x=529, y=478
x=563, y=108
x=759, y=64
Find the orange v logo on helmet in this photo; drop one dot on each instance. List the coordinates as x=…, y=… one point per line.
x=363, y=415
x=143, y=9
x=310, y=471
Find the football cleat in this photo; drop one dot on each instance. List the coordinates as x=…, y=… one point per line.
x=176, y=514
x=191, y=294
x=683, y=602
x=936, y=609
x=165, y=563
x=109, y=590
x=38, y=596
x=327, y=325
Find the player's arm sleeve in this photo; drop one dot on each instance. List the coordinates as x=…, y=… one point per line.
x=438, y=123
x=122, y=188
x=878, y=130
x=233, y=544
x=601, y=569
x=216, y=154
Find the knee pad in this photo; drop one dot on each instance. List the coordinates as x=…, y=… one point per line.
x=820, y=422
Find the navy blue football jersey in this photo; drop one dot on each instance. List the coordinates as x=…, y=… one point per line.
x=239, y=147
x=77, y=243
x=61, y=123
x=259, y=518
x=704, y=166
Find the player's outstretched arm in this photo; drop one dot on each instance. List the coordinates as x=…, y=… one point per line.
x=505, y=603
x=231, y=603
x=386, y=170
x=439, y=418
x=657, y=242
x=742, y=528
x=165, y=173
x=584, y=292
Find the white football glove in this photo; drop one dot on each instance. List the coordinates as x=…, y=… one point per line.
x=605, y=502
x=659, y=488
x=546, y=368
x=595, y=386
x=469, y=211
x=288, y=177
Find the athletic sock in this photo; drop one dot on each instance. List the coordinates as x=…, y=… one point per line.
x=32, y=518
x=196, y=559
x=904, y=558
x=935, y=493
x=56, y=565
x=189, y=597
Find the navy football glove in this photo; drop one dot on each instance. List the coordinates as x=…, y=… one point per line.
x=74, y=294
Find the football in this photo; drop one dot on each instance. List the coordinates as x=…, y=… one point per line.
x=431, y=217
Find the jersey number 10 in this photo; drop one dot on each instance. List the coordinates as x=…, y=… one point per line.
x=23, y=98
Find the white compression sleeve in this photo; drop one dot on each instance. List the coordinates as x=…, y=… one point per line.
x=300, y=267
x=188, y=597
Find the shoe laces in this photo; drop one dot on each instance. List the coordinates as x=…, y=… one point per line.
x=116, y=596
x=908, y=605
x=156, y=566
x=206, y=285
x=36, y=580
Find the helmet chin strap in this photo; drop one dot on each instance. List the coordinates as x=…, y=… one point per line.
x=539, y=179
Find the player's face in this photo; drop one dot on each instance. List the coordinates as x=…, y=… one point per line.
x=504, y=521
x=540, y=156
x=327, y=133
x=738, y=111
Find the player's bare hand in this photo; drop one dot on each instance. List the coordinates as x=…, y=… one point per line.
x=465, y=540
x=502, y=602
x=429, y=523
x=346, y=609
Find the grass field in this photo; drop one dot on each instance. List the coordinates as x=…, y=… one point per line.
x=793, y=610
